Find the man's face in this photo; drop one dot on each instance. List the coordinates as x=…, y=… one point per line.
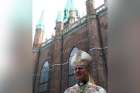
x=81, y=72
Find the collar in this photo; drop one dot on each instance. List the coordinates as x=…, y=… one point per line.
x=82, y=83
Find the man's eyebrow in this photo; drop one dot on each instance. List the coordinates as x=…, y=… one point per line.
x=80, y=66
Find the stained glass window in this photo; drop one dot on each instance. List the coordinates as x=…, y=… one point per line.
x=44, y=78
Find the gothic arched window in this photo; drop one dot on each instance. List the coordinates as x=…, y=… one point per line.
x=71, y=80
x=44, y=78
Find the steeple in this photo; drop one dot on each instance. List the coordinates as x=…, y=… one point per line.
x=59, y=16
x=39, y=33
x=59, y=23
x=70, y=10
x=90, y=7
x=40, y=23
x=71, y=5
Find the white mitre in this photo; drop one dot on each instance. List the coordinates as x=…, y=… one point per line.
x=80, y=55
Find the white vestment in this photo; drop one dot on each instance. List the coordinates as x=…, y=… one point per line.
x=89, y=88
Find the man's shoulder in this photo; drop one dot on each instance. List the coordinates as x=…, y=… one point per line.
x=71, y=89
x=97, y=88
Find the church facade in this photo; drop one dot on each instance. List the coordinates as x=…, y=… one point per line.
x=52, y=68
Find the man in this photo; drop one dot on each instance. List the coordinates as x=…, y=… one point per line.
x=81, y=62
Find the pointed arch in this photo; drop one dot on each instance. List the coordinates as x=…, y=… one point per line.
x=71, y=77
x=44, y=76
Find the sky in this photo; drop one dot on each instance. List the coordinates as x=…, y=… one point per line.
x=51, y=8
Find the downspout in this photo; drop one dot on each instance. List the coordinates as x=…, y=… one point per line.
x=102, y=48
x=62, y=41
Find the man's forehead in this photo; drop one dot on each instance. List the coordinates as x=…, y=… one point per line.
x=81, y=63
x=79, y=66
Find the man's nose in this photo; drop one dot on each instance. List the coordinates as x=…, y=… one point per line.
x=77, y=69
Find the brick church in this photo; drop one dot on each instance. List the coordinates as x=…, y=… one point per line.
x=52, y=68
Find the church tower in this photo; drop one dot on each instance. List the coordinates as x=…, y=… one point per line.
x=39, y=32
x=90, y=7
x=59, y=24
x=70, y=12
x=38, y=38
